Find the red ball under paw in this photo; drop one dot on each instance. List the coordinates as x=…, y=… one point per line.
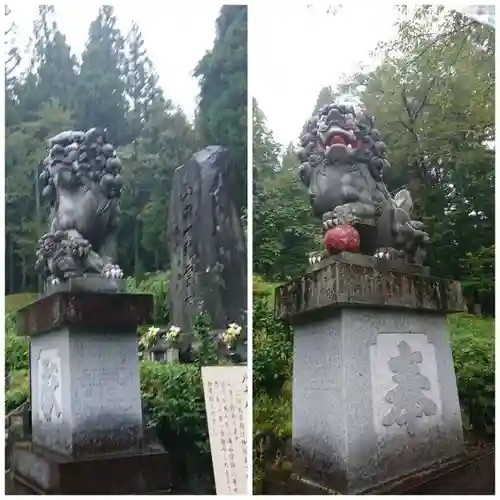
x=342, y=239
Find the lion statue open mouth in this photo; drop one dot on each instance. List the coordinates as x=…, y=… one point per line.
x=81, y=180
x=343, y=159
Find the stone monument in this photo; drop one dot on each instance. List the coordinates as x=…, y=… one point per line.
x=87, y=423
x=374, y=390
x=207, y=244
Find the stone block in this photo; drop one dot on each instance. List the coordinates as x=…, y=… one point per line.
x=85, y=387
x=344, y=432
x=41, y=472
x=88, y=311
x=340, y=284
x=374, y=389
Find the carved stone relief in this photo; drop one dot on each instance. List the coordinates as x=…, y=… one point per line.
x=408, y=398
x=49, y=384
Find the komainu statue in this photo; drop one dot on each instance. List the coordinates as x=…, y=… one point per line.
x=342, y=164
x=82, y=182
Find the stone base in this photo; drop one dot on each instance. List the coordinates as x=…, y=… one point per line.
x=84, y=367
x=374, y=389
x=356, y=370
x=470, y=474
x=357, y=281
x=382, y=265
x=95, y=284
x=46, y=473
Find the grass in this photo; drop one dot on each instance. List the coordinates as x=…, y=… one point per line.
x=16, y=301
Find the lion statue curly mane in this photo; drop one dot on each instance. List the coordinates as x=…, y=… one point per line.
x=343, y=159
x=81, y=180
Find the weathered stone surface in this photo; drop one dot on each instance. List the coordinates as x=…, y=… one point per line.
x=381, y=265
x=343, y=373
x=104, y=312
x=339, y=283
x=85, y=387
x=206, y=242
x=87, y=421
x=85, y=392
x=91, y=283
x=43, y=472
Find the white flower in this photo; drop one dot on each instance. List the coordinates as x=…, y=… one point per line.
x=152, y=332
x=229, y=336
x=149, y=337
x=173, y=333
x=234, y=329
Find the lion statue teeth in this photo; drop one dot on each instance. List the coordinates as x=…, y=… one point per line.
x=82, y=182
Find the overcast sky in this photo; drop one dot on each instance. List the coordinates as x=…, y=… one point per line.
x=176, y=36
x=295, y=51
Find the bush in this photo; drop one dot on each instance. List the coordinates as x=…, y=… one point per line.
x=16, y=347
x=157, y=285
x=473, y=343
x=272, y=349
x=16, y=355
x=18, y=392
x=173, y=393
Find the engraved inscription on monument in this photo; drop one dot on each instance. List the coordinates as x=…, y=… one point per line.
x=187, y=247
x=226, y=403
x=49, y=384
x=408, y=398
x=406, y=390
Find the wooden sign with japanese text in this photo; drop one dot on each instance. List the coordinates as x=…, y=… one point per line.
x=226, y=401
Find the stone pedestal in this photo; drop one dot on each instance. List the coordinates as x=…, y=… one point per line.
x=85, y=393
x=374, y=388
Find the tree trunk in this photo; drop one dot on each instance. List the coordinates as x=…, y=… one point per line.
x=23, y=274
x=10, y=265
x=136, y=247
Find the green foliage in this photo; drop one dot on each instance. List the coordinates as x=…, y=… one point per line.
x=207, y=350
x=432, y=96
x=16, y=347
x=262, y=288
x=272, y=415
x=16, y=354
x=18, y=391
x=272, y=387
x=222, y=117
x=284, y=229
x=473, y=342
x=173, y=393
x=478, y=268
x=272, y=349
x=157, y=285
x=272, y=426
x=100, y=96
x=434, y=104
